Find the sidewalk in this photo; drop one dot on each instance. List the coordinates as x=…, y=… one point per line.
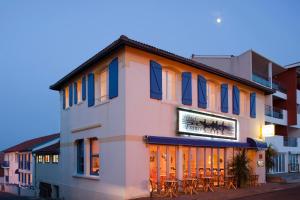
x=224, y=194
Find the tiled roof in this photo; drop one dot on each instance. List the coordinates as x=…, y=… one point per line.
x=125, y=41
x=30, y=144
x=51, y=149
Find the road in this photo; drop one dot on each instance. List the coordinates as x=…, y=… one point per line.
x=287, y=194
x=7, y=196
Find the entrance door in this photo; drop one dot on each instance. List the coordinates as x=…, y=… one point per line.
x=293, y=163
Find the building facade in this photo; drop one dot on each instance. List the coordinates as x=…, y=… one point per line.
x=134, y=112
x=18, y=164
x=282, y=113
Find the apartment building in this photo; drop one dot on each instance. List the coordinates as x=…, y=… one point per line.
x=282, y=117
x=18, y=163
x=134, y=112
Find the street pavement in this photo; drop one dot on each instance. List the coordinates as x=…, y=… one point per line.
x=7, y=196
x=286, y=194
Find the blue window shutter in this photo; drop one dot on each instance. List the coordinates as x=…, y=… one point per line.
x=186, y=87
x=75, y=93
x=155, y=80
x=224, y=98
x=202, y=100
x=91, y=89
x=113, y=78
x=253, y=105
x=236, y=100
x=70, y=95
x=83, y=88
x=64, y=98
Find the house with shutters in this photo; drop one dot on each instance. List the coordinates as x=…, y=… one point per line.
x=134, y=114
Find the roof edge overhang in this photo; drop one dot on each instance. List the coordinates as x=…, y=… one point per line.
x=125, y=41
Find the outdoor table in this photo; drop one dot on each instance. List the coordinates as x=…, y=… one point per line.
x=207, y=181
x=170, y=188
x=230, y=180
x=190, y=185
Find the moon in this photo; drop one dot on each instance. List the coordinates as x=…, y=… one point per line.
x=219, y=20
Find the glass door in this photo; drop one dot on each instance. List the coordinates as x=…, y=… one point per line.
x=293, y=162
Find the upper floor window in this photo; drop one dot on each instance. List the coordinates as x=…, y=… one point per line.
x=47, y=158
x=40, y=159
x=243, y=104
x=169, y=84
x=101, y=86
x=80, y=156
x=211, y=96
x=79, y=90
x=94, y=156
x=67, y=97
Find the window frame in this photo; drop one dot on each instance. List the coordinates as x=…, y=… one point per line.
x=94, y=156
x=99, y=98
x=66, y=91
x=79, y=91
x=55, y=161
x=166, y=85
x=45, y=158
x=80, y=156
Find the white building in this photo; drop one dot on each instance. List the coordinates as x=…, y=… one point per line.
x=18, y=165
x=282, y=108
x=122, y=122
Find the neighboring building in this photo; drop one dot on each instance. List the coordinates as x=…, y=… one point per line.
x=1, y=171
x=19, y=163
x=134, y=112
x=282, y=108
x=47, y=170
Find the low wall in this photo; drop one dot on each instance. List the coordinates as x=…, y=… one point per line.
x=14, y=189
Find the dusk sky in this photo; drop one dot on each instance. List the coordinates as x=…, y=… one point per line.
x=41, y=41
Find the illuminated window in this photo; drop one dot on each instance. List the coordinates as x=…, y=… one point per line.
x=40, y=159
x=55, y=158
x=80, y=156
x=101, y=86
x=243, y=103
x=94, y=156
x=67, y=97
x=168, y=85
x=79, y=91
x=211, y=96
x=47, y=158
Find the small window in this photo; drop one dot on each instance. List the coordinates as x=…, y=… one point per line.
x=40, y=159
x=169, y=85
x=67, y=97
x=211, y=96
x=47, y=158
x=243, y=104
x=55, y=158
x=94, y=156
x=80, y=156
x=101, y=86
x=79, y=90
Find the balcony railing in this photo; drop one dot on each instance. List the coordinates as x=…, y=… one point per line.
x=273, y=112
x=5, y=164
x=261, y=80
x=290, y=142
x=277, y=86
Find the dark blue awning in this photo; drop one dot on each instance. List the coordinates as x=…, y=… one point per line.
x=202, y=142
x=257, y=144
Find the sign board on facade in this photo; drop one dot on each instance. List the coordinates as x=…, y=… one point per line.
x=192, y=122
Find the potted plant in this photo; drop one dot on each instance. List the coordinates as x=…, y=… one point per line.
x=239, y=168
x=270, y=154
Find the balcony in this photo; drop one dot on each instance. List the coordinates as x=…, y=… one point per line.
x=261, y=80
x=275, y=115
x=290, y=142
x=277, y=86
x=5, y=164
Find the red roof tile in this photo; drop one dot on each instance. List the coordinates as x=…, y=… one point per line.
x=30, y=144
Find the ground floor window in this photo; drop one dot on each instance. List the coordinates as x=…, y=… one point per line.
x=194, y=161
x=293, y=163
x=94, y=156
x=80, y=156
x=279, y=163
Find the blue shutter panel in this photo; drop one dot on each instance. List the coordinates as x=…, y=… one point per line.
x=75, y=93
x=155, y=80
x=202, y=101
x=253, y=105
x=224, y=98
x=64, y=98
x=236, y=100
x=186, y=88
x=70, y=95
x=113, y=78
x=91, y=90
x=83, y=88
